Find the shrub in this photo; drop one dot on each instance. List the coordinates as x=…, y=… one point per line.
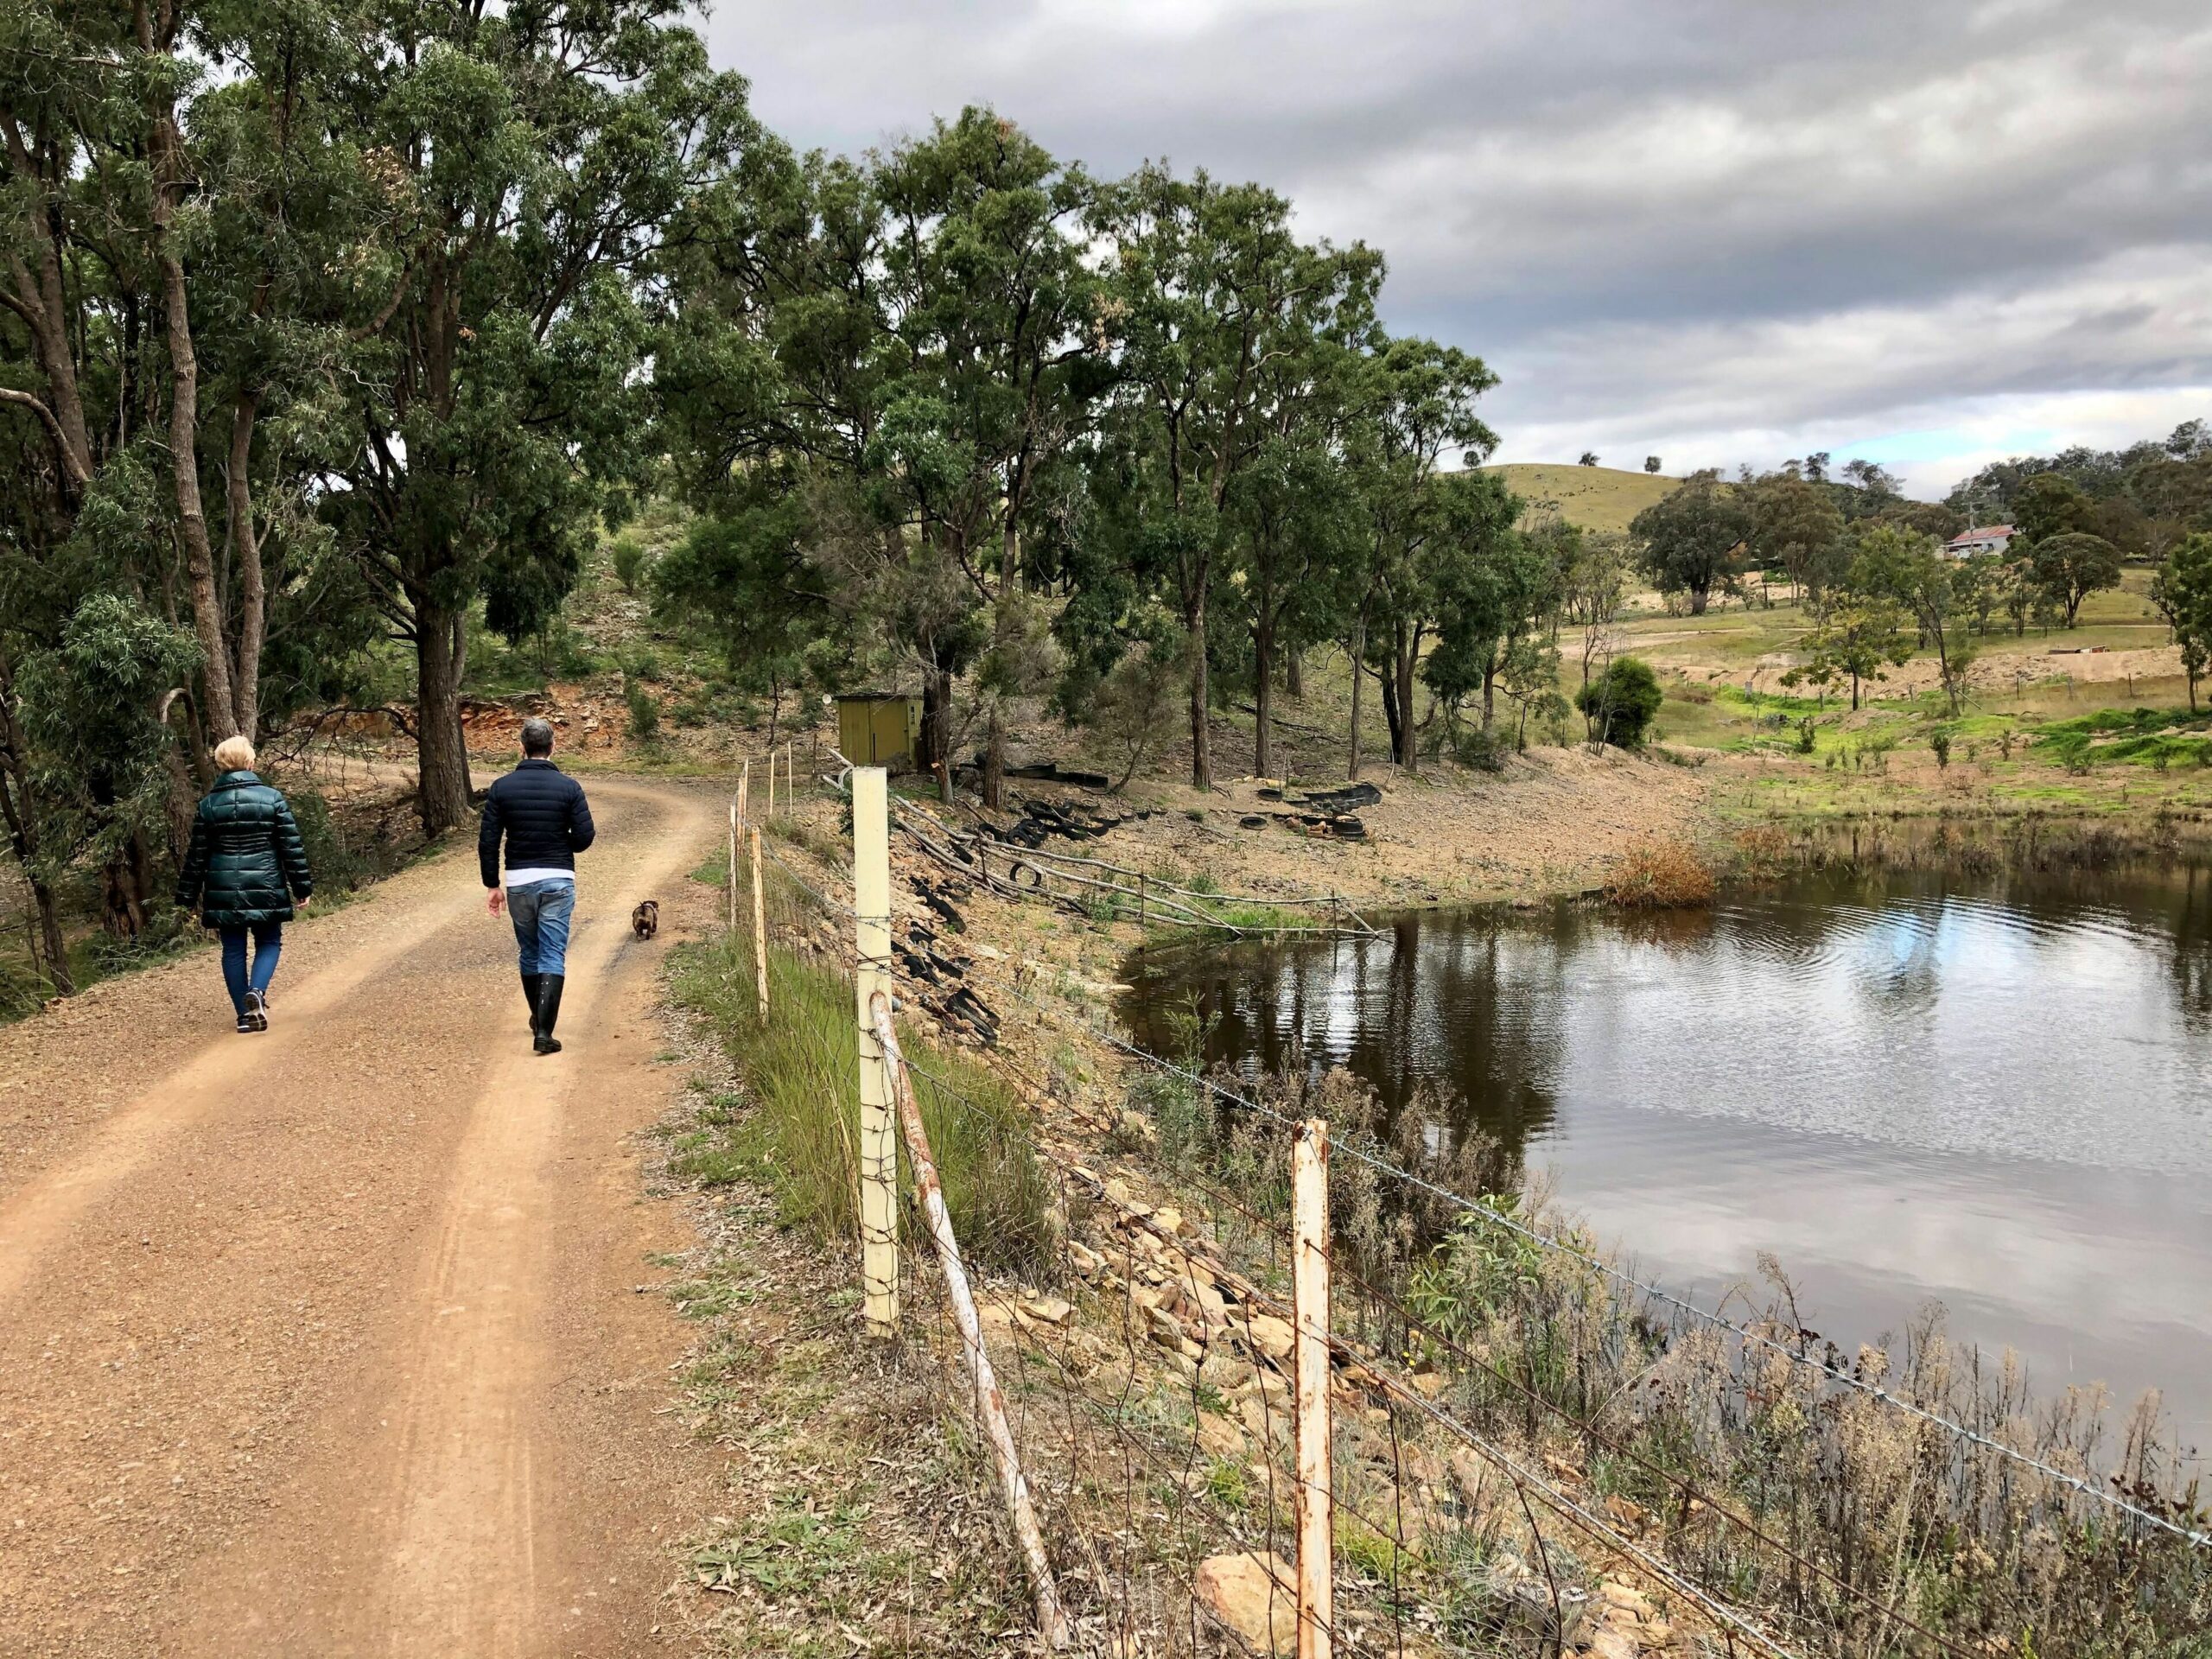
x=1659, y=874
x=630, y=559
x=644, y=714
x=336, y=864
x=1621, y=703
x=1481, y=750
x=1940, y=741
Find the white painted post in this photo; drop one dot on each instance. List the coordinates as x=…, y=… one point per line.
x=1309, y=1170
x=879, y=1138
x=759, y=933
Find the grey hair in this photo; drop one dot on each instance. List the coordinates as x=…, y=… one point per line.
x=537, y=736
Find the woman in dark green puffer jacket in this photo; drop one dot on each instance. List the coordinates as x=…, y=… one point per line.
x=246, y=866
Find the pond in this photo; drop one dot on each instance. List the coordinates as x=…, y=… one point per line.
x=1990, y=1092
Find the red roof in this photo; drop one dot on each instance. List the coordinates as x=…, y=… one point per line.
x=1981, y=533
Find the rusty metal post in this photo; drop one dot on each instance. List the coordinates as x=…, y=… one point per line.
x=990, y=1404
x=1309, y=1168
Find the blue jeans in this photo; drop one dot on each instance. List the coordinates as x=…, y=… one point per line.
x=541, y=913
x=268, y=945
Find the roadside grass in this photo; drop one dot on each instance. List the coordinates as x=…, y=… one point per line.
x=800, y=1073
x=854, y=1497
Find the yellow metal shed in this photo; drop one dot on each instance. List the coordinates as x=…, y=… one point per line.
x=876, y=728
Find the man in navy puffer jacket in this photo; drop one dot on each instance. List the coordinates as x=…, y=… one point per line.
x=542, y=813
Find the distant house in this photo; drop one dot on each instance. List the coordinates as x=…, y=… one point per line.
x=1989, y=538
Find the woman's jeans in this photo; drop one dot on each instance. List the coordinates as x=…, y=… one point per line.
x=541, y=913
x=268, y=945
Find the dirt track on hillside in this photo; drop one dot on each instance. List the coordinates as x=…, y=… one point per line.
x=328, y=1341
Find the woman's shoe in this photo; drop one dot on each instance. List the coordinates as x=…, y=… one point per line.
x=257, y=1013
x=245, y=1027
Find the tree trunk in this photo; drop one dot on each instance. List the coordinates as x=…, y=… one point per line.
x=994, y=761
x=51, y=946
x=939, y=722
x=245, y=550
x=1698, y=598
x=1294, y=674
x=1408, y=740
x=1201, y=734
x=1263, y=698
x=166, y=145
x=1489, y=692
x=1393, y=716
x=1359, y=650
x=1855, y=694
x=441, y=755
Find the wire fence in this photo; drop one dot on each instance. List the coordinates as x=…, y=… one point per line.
x=1480, y=1487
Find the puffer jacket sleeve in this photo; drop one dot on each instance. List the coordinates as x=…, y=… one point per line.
x=291, y=850
x=193, y=877
x=581, y=831
x=488, y=839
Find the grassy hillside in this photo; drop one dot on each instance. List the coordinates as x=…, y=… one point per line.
x=1596, y=498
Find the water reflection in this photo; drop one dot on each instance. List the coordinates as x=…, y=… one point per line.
x=1988, y=1091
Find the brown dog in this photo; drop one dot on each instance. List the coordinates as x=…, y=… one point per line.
x=645, y=920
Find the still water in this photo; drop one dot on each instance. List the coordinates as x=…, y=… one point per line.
x=1994, y=1093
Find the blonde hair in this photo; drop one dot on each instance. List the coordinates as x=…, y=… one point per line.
x=235, y=754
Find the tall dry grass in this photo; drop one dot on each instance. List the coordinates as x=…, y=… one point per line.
x=1659, y=873
x=1637, y=1405
x=796, y=1128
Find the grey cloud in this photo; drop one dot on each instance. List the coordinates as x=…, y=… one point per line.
x=1624, y=205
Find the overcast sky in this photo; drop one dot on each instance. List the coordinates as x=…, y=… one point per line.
x=1928, y=233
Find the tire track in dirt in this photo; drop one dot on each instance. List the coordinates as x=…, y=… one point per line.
x=346, y=1358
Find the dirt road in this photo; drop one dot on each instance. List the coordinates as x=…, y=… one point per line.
x=328, y=1341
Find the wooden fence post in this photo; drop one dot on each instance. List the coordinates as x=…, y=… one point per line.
x=879, y=1138
x=990, y=1403
x=1309, y=1169
x=736, y=816
x=760, y=932
x=771, y=783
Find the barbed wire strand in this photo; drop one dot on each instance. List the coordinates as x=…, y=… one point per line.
x=1537, y=1235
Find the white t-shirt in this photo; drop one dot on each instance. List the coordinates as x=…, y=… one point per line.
x=525, y=878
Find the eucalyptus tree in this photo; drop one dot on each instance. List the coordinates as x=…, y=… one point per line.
x=992, y=316
x=1796, y=526
x=528, y=166
x=1415, y=405
x=1497, y=594
x=1294, y=519
x=1910, y=571
x=171, y=177
x=1694, y=540
x=1220, y=323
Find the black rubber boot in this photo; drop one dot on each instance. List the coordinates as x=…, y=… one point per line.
x=548, y=1011
x=530, y=987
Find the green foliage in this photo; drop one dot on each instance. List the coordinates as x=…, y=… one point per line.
x=1692, y=542
x=643, y=711
x=629, y=559
x=338, y=865
x=1796, y=526
x=2182, y=590
x=1133, y=709
x=1621, y=703
x=1855, y=637
x=2069, y=566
